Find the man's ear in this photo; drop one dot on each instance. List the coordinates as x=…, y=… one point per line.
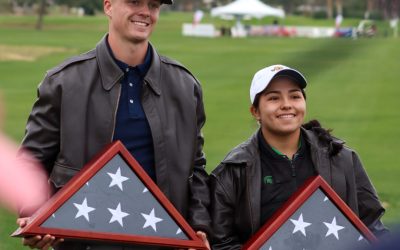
x=107, y=6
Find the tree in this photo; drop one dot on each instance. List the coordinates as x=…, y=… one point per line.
x=90, y=6
x=370, y=7
x=390, y=8
x=41, y=13
x=329, y=9
x=339, y=7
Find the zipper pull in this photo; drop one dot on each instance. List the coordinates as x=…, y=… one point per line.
x=293, y=169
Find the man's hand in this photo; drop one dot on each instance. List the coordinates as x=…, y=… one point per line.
x=38, y=241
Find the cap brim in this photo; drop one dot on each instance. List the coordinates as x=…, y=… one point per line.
x=300, y=79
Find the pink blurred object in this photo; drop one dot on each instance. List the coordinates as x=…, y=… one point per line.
x=23, y=182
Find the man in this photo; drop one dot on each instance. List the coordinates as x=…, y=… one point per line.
x=123, y=90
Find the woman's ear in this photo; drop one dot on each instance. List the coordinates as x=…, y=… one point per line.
x=255, y=112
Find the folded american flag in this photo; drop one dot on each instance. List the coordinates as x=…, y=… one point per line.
x=113, y=199
x=314, y=218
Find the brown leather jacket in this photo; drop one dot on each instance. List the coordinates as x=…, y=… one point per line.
x=74, y=117
x=235, y=187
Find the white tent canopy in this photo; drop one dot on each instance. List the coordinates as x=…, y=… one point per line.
x=252, y=8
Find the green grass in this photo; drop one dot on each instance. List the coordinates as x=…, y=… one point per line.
x=353, y=86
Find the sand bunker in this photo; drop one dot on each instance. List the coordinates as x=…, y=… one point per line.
x=26, y=53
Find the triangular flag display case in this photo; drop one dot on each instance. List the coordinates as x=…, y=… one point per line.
x=314, y=217
x=113, y=200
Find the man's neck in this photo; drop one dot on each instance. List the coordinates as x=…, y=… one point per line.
x=130, y=53
x=286, y=144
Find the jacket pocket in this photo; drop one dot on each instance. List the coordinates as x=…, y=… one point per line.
x=61, y=174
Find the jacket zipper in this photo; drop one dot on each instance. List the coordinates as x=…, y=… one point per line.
x=115, y=114
x=293, y=168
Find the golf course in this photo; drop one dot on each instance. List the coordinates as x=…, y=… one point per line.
x=353, y=85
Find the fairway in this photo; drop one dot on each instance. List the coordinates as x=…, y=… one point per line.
x=353, y=87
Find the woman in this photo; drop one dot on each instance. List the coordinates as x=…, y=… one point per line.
x=259, y=175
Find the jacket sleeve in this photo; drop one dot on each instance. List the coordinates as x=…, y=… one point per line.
x=369, y=206
x=199, y=216
x=222, y=212
x=42, y=130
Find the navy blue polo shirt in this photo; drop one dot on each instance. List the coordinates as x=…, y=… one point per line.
x=132, y=127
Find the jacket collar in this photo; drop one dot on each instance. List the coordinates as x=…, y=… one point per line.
x=245, y=153
x=325, y=164
x=153, y=76
x=111, y=73
x=248, y=155
x=319, y=155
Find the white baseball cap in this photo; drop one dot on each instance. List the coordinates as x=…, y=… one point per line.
x=264, y=76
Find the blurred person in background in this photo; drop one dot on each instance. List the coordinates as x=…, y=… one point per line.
x=123, y=90
x=23, y=182
x=258, y=176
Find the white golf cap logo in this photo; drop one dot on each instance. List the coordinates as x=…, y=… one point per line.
x=277, y=68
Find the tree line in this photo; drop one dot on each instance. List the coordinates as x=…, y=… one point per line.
x=375, y=9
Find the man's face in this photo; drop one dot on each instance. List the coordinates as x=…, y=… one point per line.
x=281, y=108
x=132, y=20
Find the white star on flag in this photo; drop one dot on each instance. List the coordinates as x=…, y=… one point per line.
x=151, y=220
x=117, y=215
x=360, y=238
x=333, y=228
x=300, y=225
x=145, y=190
x=178, y=231
x=117, y=179
x=83, y=209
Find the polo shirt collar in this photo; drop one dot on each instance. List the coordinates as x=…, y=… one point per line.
x=141, y=68
x=273, y=152
x=112, y=74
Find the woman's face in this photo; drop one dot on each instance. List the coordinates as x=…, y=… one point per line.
x=281, y=108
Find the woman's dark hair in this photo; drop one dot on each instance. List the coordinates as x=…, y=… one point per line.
x=257, y=98
x=324, y=135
